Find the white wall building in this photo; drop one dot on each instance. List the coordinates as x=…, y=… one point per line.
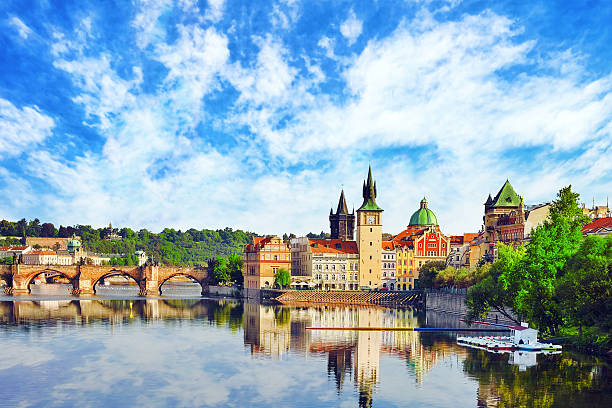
x=388, y=266
x=333, y=264
x=43, y=257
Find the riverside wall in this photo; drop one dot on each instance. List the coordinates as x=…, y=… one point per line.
x=223, y=291
x=454, y=303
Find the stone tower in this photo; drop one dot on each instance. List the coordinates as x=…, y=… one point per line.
x=342, y=224
x=369, y=236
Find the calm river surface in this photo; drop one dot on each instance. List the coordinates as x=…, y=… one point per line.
x=204, y=352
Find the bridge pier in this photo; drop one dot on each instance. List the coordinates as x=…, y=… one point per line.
x=84, y=288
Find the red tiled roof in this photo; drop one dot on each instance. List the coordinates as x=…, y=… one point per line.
x=407, y=233
x=388, y=245
x=330, y=246
x=469, y=236
x=13, y=248
x=597, y=224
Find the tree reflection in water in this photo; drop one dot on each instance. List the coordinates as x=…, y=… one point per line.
x=566, y=379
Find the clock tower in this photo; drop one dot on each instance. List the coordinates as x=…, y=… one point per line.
x=369, y=236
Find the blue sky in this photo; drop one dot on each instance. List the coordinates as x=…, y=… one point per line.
x=253, y=115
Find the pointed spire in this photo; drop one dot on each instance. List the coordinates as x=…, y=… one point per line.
x=342, y=208
x=369, y=193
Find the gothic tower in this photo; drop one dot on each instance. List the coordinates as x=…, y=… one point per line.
x=369, y=236
x=342, y=224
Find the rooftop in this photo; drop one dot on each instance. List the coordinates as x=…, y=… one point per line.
x=333, y=246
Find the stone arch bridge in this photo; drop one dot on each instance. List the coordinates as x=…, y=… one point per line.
x=84, y=277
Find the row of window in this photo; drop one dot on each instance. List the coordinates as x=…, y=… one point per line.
x=387, y=265
x=281, y=257
x=333, y=276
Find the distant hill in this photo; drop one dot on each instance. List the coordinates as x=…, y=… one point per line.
x=191, y=247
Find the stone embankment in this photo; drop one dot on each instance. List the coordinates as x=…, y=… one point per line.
x=391, y=299
x=454, y=302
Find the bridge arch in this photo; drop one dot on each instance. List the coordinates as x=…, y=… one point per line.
x=115, y=272
x=185, y=274
x=31, y=276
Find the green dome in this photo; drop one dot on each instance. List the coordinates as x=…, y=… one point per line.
x=423, y=216
x=73, y=244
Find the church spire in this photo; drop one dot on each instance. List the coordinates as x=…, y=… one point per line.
x=369, y=193
x=342, y=207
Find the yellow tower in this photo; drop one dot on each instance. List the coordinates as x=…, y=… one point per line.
x=369, y=236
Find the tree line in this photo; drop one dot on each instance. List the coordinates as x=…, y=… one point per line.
x=168, y=247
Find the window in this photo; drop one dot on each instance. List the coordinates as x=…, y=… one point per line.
x=370, y=243
x=276, y=257
x=370, y=229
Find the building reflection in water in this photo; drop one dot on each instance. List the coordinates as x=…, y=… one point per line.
x=275, y=331
x=353, y=357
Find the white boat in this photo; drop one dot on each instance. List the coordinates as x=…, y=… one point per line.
x=523, y=338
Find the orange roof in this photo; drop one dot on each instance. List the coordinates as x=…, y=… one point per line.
x=407, y=233
x=597, y=224
x=42, y=253
x=388, y=245
x=469, y=236
x=334, y=246
x=13, y=248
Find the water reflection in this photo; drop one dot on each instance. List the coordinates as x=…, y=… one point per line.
x=199, y=361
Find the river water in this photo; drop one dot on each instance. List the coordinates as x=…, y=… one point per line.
x=171, y=351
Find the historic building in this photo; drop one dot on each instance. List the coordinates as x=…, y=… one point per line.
x=463, y=252
x=369, y=237
x=332, y=264
x=342, y=224
x=388, y=265
x=262, y=259
x=421, y=242
x=504, y=218
x=405, y=274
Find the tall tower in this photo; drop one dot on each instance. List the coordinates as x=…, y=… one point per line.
x=342, y=224
x=369, y=236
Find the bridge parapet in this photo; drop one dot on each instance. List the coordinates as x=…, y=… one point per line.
x=84, y=277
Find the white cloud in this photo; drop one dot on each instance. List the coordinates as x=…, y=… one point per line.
x=271, y=77
x=215, y=9
x=22, y=29
x=22, y=129
x=351, y=28
x=194, y=61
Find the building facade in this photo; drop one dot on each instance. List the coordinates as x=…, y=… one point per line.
x=388, y=266
x=461, y=254
x=262, y=259
x=40, y=257
x=406, y=272
x=504, y=220
x=422, y=241
x=332, y=264
x=342, y=224
x=369, y=237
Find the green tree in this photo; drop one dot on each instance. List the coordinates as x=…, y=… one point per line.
x=235, y=265
x=282, y=278
x=498, y=290
x=7, y=260
x=585, y=290
x=429, y=273
x=218, y=266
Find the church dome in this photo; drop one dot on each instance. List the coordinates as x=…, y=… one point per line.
x=423, y=216
x=73, y=244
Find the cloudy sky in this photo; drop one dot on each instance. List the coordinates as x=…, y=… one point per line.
x=253, y=115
